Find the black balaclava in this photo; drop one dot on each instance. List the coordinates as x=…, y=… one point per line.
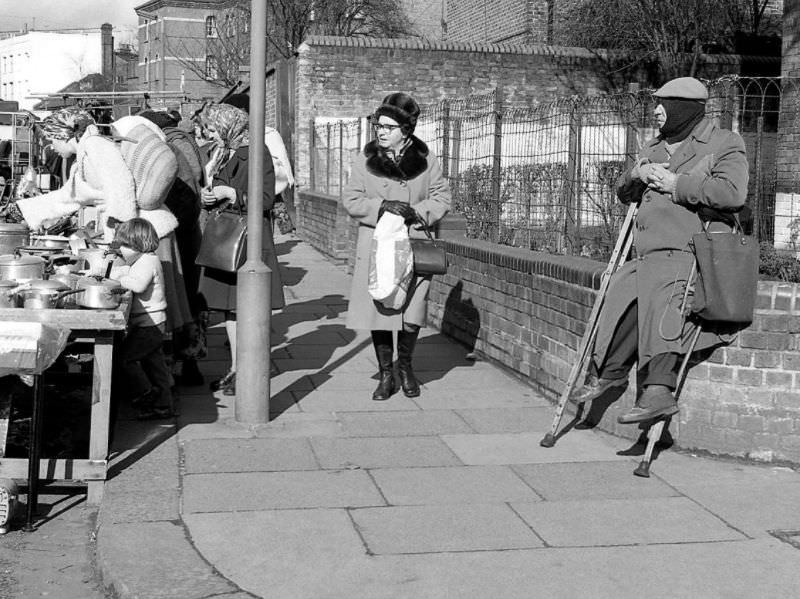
x=682, y=116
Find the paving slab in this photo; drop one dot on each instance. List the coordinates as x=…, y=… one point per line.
x=300, y=425
x=460, y=484
x=508, y=420
x=226, y=492
x=524, y=448
x=283, y=554
x=433, y=528
x=477, y=375
x=402, y=424
x=624, y=522
x=383, y=452
x=248, y=455
x=724, y=570
x=134, y=557
x=590, y=480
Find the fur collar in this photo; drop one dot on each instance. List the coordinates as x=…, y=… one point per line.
x=412, y=163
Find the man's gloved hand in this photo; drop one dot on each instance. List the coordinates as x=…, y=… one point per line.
x=398, y=208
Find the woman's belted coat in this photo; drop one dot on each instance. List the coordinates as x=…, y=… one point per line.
x=416, y=178
x=712, y=172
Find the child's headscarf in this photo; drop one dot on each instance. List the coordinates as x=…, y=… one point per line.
x=65, y=123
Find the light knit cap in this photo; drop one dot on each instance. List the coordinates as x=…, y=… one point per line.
x=152, y=164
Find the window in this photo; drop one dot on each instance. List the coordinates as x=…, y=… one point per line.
x=146, y=30
x=147, y=69
x=211, y=26
x=211, y=67
x=245, y=24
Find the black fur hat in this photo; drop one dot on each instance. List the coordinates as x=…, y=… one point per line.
x=401, y=108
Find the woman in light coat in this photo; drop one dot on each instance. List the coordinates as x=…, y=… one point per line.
x=395, y=173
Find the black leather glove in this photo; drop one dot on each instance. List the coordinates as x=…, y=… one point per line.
x=398, y=208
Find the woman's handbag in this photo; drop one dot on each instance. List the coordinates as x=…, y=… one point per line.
x=224, y=244
x=281, y=217
x=727, y=275
x=430, y=255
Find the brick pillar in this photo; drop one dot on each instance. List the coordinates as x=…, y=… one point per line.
x=787, y=197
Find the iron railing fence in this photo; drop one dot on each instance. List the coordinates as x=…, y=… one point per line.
x=543, y=176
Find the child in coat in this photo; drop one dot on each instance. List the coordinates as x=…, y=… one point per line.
x=142, y=362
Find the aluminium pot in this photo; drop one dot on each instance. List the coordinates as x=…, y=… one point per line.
x=43, y=298
x=56, y=242
x=99, y=293
x=21, y=268
x=12, y=236
x=96, y=259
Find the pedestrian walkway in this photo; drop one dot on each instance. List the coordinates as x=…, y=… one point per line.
x=445, y=495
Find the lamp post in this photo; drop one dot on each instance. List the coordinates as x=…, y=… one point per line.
x=253, y=304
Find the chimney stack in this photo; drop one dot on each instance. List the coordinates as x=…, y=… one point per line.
x=107, y=49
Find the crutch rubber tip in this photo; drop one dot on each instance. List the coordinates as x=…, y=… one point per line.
x=642, y=470
x=548, y=440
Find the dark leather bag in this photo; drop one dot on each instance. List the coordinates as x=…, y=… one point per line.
x=224, y=244
x=726, y=284
x=430, y=255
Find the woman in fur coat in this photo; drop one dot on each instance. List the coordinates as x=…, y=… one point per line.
x=396, y=173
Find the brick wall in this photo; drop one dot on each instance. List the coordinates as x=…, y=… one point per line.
x=483, y=22
x=322, y=222
x=527, y=311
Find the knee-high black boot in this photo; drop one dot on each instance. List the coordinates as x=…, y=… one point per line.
x=384, y=351
x=405, y=350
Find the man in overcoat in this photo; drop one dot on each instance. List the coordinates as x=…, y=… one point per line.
x=693, y=168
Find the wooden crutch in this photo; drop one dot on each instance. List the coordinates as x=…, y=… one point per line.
x=618, y=257
x=657, y=428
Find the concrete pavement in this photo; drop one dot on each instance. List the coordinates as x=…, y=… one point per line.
x=445, y=495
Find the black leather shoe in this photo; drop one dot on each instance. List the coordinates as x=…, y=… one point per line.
x=656, y=402
x=223, y=382
x=594, y=388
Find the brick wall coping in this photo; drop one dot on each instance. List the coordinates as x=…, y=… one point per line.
x=318, y=195
x=525, y=49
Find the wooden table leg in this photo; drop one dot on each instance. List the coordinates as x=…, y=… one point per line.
x=101, y=410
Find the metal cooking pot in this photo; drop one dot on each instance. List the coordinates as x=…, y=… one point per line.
x=13, y=235
x=70, y=281
x=42, y=298
x=8, y=298
x=100, y=294
x=18, y=267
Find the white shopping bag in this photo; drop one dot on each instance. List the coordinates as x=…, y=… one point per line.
x=391, y=262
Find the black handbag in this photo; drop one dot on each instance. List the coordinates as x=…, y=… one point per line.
x=430, y=255
x=224, y=243
x=726, y=284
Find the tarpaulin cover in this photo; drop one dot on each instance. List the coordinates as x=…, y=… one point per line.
x=28, y=348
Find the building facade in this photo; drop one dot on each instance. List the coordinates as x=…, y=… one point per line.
x=42, y=62
x=187, y=44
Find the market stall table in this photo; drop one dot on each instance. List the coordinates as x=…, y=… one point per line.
x=96, y=327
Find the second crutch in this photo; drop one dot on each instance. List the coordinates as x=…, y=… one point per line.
x=618, y=257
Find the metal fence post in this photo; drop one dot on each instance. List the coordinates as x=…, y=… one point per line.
x=445, y=157
x=632, y=128
x=572, y=217
x=497, y=164
x=341, y=159
x=757, y=158
x=312, y=155
x=328, y=158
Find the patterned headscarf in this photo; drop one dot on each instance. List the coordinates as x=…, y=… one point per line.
x=230, y=122
x=65, y=123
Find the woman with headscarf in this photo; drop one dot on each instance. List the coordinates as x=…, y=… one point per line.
x=692, y=170
x=227, y=126
x=396, y=173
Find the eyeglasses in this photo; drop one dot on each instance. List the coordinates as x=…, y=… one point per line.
x=389, y=128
